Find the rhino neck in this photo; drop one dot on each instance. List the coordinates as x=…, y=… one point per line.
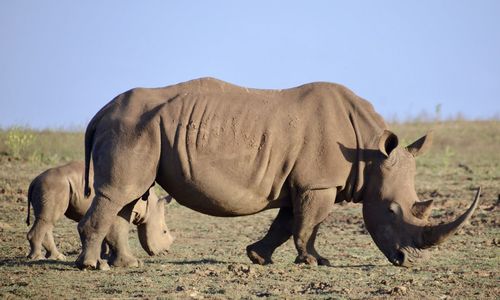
x=368, y=125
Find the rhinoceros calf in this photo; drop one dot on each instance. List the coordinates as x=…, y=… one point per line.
x=225, y=150
x=59, y=191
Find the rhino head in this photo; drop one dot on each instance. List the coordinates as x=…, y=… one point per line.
x=393, y=215
x=149, y=216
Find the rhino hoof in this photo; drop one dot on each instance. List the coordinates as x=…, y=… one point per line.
x=306, y=259
x=102, y=265
x=126, y=262
x=36, y=256
x=258, y=258
x=323, y=262
x=85, y=264
x=58, y=256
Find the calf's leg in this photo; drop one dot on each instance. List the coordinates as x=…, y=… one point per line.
x=35, y=236
x=50, y=246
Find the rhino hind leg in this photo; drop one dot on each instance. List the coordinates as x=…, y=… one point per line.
x=310, y=209
x=117, y=239
x=280, y=231
x=118, y=180
x=36, y=236
x=93, y=228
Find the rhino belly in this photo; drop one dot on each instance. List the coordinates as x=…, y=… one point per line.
x=78, y=206
x=218, y=199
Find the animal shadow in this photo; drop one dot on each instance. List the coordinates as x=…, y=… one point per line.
x=23, y=261
x=205, y=261
x=365, y=267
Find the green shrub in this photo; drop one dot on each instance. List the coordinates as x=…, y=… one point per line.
x=18, y=141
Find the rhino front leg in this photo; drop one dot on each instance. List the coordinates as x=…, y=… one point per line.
x=312, y=250
x=310, y=209
x=279, y=232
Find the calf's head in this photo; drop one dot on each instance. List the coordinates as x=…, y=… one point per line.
x=154, y=236
x=393, y=215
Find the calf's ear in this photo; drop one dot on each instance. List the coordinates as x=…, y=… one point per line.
x=387, y=142
x=421, y=145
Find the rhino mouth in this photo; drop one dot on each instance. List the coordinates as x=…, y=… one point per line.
x=407, y=256
x=158, y=252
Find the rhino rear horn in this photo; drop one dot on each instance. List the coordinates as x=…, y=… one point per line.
x=422, y=209
x=434, y=235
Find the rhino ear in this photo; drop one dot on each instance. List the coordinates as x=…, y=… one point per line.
x=387, y=142
x=139, y=212
x=421, y=145
x=421, y=209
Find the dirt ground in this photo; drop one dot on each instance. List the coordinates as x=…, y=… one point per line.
x=208, y=260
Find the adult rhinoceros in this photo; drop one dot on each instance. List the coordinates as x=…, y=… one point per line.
x=59, y=191
x=225, y=150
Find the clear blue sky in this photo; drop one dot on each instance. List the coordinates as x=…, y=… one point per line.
x=61, y=61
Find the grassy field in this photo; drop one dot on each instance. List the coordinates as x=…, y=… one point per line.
x=208, y=258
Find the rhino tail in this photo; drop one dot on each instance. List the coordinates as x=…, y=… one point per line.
x=89, y=138
x=89, y=142
x=30, y=191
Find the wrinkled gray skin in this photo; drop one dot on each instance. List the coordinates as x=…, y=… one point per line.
x=225, y=150
x=59, y=191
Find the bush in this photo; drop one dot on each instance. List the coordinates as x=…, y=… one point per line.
x=18, y=141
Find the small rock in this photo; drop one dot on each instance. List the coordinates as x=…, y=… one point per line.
x=263, y=294
x=399, y=290
x=241, y=269
x=179, y=288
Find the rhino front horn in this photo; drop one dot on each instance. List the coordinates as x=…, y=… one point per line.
x=434, y=235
